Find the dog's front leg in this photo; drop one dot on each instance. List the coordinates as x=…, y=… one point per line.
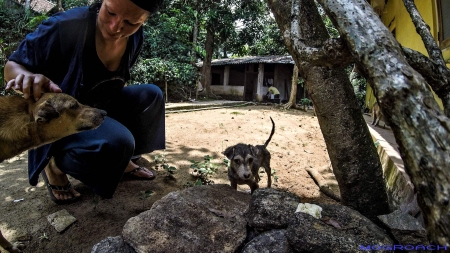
x=233, y=184
x=253, y=186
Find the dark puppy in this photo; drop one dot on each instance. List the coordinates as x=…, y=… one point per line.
x=377, y=115
x=27, y=124
x=245, y=161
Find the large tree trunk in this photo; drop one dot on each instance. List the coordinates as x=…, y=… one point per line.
x=59, y=4
x=293, y=97
x=353, y=155
x=194, y=51
x=206, y=71
x=420, y=128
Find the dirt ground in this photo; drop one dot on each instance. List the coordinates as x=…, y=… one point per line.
x=297, y=144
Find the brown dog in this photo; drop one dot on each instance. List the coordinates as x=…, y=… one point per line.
x=245, y=161
x=26, y=124
x=377, y=115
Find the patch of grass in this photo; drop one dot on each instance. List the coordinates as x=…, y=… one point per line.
x=203, y=170
x=237, y=113
x=144, y=195
x=161, y=161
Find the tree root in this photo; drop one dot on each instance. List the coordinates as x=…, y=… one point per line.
x=323, y=186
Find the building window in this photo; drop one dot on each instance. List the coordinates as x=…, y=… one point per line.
x=444, y=28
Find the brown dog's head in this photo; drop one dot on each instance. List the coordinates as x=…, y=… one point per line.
x=58, y=115
x=242, y=157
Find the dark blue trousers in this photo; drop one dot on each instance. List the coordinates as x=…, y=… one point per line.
x=135, y=125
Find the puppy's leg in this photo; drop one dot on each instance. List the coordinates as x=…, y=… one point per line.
x=269, y=175
x=233, y=184
x=253, y=186
x=12, y=248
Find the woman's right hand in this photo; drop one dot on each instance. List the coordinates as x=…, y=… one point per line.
x=32, y=84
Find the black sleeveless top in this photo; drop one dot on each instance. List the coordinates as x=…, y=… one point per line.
x=100, y=85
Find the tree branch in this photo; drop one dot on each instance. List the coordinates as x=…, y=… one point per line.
x=436, y=75
x=420, y=129
x=424, y=31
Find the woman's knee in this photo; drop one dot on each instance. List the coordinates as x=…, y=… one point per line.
x=150, y=93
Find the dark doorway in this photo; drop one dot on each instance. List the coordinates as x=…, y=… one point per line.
x=250, y=84
x=215, y=79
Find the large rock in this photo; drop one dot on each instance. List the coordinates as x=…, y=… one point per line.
x=271, y=209
x=198, y=219
x=340, y=229
x=406, y=229
x=112, y=244
x=271, y=241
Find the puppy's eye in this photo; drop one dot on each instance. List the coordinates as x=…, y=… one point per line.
x=74, y=106
x=250, y=160
x=237, y=161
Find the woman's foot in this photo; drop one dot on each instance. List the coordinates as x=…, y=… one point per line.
x=59, y=184
x=139, y=172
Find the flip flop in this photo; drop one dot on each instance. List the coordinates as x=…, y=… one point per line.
x=135, y=158
x=132, y=174
x=64, y=188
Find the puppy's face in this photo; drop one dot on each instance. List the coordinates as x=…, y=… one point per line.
x=58, y=115
x=241, y=158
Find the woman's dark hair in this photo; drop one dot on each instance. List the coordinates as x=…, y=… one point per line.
x=151, y=6
x=95, y=6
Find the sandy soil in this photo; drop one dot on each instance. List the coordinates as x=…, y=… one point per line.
x=296, y=145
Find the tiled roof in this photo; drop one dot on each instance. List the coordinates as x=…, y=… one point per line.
x=40, y=6
x=280, y=59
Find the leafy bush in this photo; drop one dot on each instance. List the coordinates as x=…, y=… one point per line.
x=15, y=24
x=204, y=169
x=180, y=76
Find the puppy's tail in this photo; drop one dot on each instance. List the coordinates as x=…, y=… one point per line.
x=271, y=134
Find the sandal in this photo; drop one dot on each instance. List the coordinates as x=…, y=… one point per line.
x=64, y=188
x=132, y=174
x=135, y=158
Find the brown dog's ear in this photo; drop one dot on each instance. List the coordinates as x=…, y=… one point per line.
x=229, y=152
x=45, y=113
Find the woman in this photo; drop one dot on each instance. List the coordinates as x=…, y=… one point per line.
x=87, y=52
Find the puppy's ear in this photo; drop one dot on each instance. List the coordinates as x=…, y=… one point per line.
x=45, y=112
x=229, y=152
x=254, y=150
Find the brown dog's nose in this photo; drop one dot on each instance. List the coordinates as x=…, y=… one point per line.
x=247, y=175
x=103, y=113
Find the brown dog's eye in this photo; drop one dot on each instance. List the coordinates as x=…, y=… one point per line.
x=237, y=161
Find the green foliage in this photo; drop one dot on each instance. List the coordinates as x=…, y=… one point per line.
x=259, y=38
x=203, y=170
x=15, y=24
x=144, y=195
x=35, y=21
x=304, y=102
x=166, y=55
x=162, y=161
x=274, y=175
x=69, y=4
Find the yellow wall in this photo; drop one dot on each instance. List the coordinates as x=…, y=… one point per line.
x=395, y=16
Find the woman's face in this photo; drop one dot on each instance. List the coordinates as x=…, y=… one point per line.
x=119, y=19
